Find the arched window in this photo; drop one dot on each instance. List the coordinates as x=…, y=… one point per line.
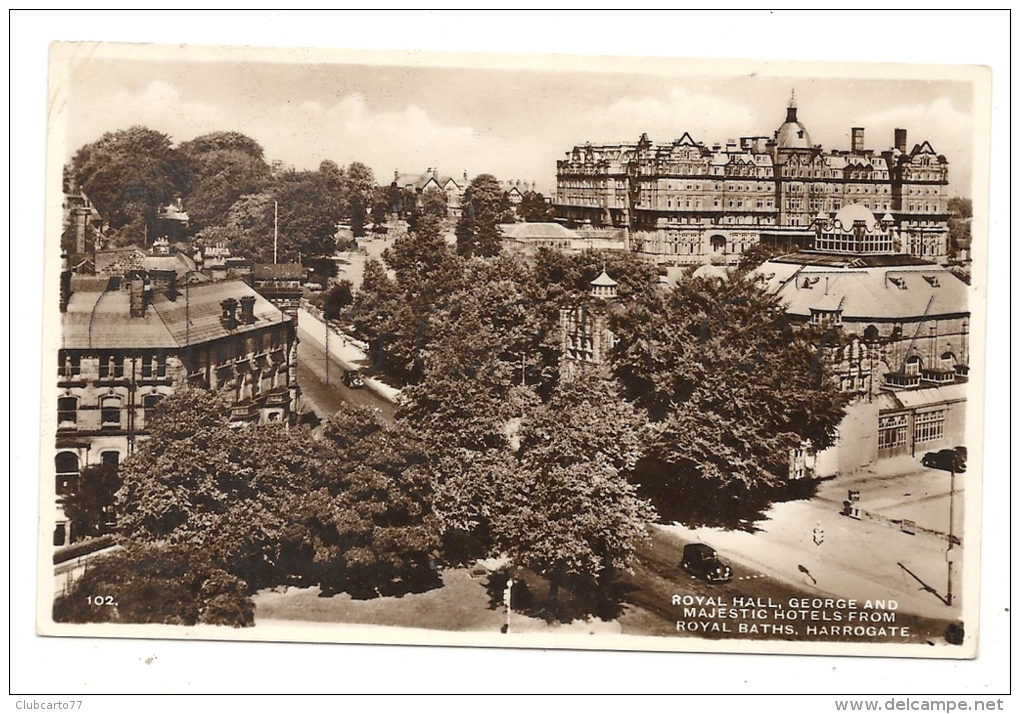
x=947, y=361
x=110, y=412
x=66, y=463
x=912, y=366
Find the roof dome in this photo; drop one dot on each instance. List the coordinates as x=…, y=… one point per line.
x=792, y=134
x=708, y=271
x=853, y=212
x=604, y=281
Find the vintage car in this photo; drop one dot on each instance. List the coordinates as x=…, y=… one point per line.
x=947, y=460
x=352, y=378
x=701, y=561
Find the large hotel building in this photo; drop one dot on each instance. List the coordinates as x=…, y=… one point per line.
x=686, y=202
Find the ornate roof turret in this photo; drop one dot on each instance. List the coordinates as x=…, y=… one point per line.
x=792, y=134
x=604, y=286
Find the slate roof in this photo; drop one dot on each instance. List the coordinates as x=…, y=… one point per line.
x=926, y=396
x=866, y=293
x=102, y=320
x=537, y=231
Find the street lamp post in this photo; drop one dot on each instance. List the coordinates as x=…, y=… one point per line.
x=950, y=556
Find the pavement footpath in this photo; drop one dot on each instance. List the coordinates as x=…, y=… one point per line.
x=349, y=352
x=860, y=559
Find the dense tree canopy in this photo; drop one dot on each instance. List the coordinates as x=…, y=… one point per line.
x=270, y=504
x=129, y=175
x=157, y=583
x=707, y=360
x=227, y=190
x=534, y=208
x=221, y=167
x=567, y=508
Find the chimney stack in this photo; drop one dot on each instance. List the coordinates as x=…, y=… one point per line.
x=140, y=295
x=857, y=140
x=901, y=140
x=165, y=281
x=248, y=310
x=229, y=316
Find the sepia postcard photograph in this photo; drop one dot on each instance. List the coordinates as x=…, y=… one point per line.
x=532, y=351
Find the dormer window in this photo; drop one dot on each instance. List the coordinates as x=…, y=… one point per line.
x=826, y=317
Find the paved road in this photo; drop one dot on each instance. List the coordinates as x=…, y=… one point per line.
x=754, y=605
x=324, y=399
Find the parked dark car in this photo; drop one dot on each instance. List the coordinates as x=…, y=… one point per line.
x=947, y=460
x=352, y=378
x=701, y=561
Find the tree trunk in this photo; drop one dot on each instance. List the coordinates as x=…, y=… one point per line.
x=553, y=605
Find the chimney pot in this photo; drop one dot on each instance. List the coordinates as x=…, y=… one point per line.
x=229, y=316
x=248, y=310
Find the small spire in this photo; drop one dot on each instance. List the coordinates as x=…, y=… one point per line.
x=793, y=99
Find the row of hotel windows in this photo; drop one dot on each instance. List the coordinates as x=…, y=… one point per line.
x=109, y=409
x=928, y=426
x=112, y=366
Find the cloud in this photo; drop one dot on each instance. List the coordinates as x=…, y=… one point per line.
x=157, y=105
x=707, y=118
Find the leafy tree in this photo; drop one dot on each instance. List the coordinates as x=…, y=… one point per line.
x=567, y=510
x=129, y=175
x=359, y=186
x=706, y=361
x=961, y=207
x=306, y=217
x=271, y=505
x=382, y=204
x=756, y=255
x=339, y=296
x=534, y=208
x=157, y=583
x=961, y=210
x=249, y=228
x=434, y=202
x=221, y=167
x=482, y=205
x=393, y=315
x=89, y=506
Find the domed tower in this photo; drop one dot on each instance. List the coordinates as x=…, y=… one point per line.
x=795, y=159
x=792, y=135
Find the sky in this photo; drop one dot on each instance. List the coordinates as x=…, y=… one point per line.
x=503, y=115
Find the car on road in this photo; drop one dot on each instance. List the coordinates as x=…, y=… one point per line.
x=352, y=378
x=947, y=460
x=702, y=561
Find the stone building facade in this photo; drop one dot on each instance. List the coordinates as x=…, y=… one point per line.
x=686, y=202
x=129, y=341
x=898, y=337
